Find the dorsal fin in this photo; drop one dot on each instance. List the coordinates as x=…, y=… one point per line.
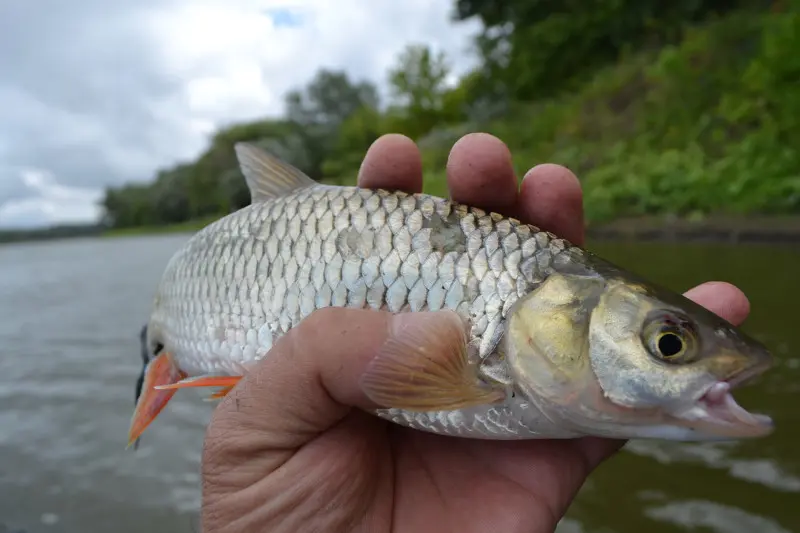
x=267, y=176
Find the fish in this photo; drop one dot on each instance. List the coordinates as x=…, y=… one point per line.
x=544, y=340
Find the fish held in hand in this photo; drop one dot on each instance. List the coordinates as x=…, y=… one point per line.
x=542, y=339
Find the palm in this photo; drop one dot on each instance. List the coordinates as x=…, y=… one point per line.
x=396, y=479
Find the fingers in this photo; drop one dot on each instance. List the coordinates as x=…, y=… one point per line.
x=480, y=174
x=551, y=197
x=392, y=162
x=723, y=299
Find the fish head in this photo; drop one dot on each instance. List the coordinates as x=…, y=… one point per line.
x=617, y=357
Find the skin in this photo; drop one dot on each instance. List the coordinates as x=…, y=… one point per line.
x=289, y=450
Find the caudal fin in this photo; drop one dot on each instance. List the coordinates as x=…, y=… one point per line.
x=161, y=370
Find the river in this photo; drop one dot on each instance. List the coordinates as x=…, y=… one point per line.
x=69, y=357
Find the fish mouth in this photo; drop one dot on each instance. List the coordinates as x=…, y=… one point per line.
x=718, y=414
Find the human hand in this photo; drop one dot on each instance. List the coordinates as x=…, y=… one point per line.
x=290, y=450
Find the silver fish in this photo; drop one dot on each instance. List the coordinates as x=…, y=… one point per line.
x=551, y=342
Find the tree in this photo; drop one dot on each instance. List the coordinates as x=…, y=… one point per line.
x=354, y=137
x=129, y=205
x=329, y=99
x=419, y=90
x=318, y=111
x=170, y=196
x=534, y=48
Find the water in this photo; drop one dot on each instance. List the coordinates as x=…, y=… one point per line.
x=70, y=316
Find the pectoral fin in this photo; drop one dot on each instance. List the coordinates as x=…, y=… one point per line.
x=424, y=367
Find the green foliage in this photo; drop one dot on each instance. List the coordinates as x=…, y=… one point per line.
x=535, y=48
x=707, y=126
x=318, y=112
x=356, y=133
x=718, y=128
x=422, y=99
x=707, y=122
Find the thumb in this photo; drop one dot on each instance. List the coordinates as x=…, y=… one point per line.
x=307, y=383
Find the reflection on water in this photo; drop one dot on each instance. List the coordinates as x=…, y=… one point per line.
x=69, y=323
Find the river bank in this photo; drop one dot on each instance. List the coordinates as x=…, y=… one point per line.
x=719, y=229
x=764, y=229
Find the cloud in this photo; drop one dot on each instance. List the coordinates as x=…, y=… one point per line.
x=50, y=203
x=97, y=93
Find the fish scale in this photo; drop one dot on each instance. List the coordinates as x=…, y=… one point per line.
x=244, y=281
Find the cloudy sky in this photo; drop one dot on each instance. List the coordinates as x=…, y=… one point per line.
x=97, y=92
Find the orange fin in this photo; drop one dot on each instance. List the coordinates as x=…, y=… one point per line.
x=424, y=367
x=161, y=370
x=204, y=381
x=219, y=394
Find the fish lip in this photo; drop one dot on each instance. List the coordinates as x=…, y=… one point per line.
x=722, y=416
x=715, y=411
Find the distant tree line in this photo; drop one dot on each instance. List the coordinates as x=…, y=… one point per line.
x=50, y=233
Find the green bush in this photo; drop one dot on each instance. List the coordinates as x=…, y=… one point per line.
x=709, y=125
x=536, y=48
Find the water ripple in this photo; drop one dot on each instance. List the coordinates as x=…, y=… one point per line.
x=714, y=455
x=717, y=517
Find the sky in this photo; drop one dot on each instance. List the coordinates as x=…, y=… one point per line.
x=97, y=92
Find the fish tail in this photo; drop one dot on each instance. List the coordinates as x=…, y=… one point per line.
x=161, y=370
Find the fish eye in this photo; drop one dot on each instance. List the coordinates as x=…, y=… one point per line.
x=670, y=339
